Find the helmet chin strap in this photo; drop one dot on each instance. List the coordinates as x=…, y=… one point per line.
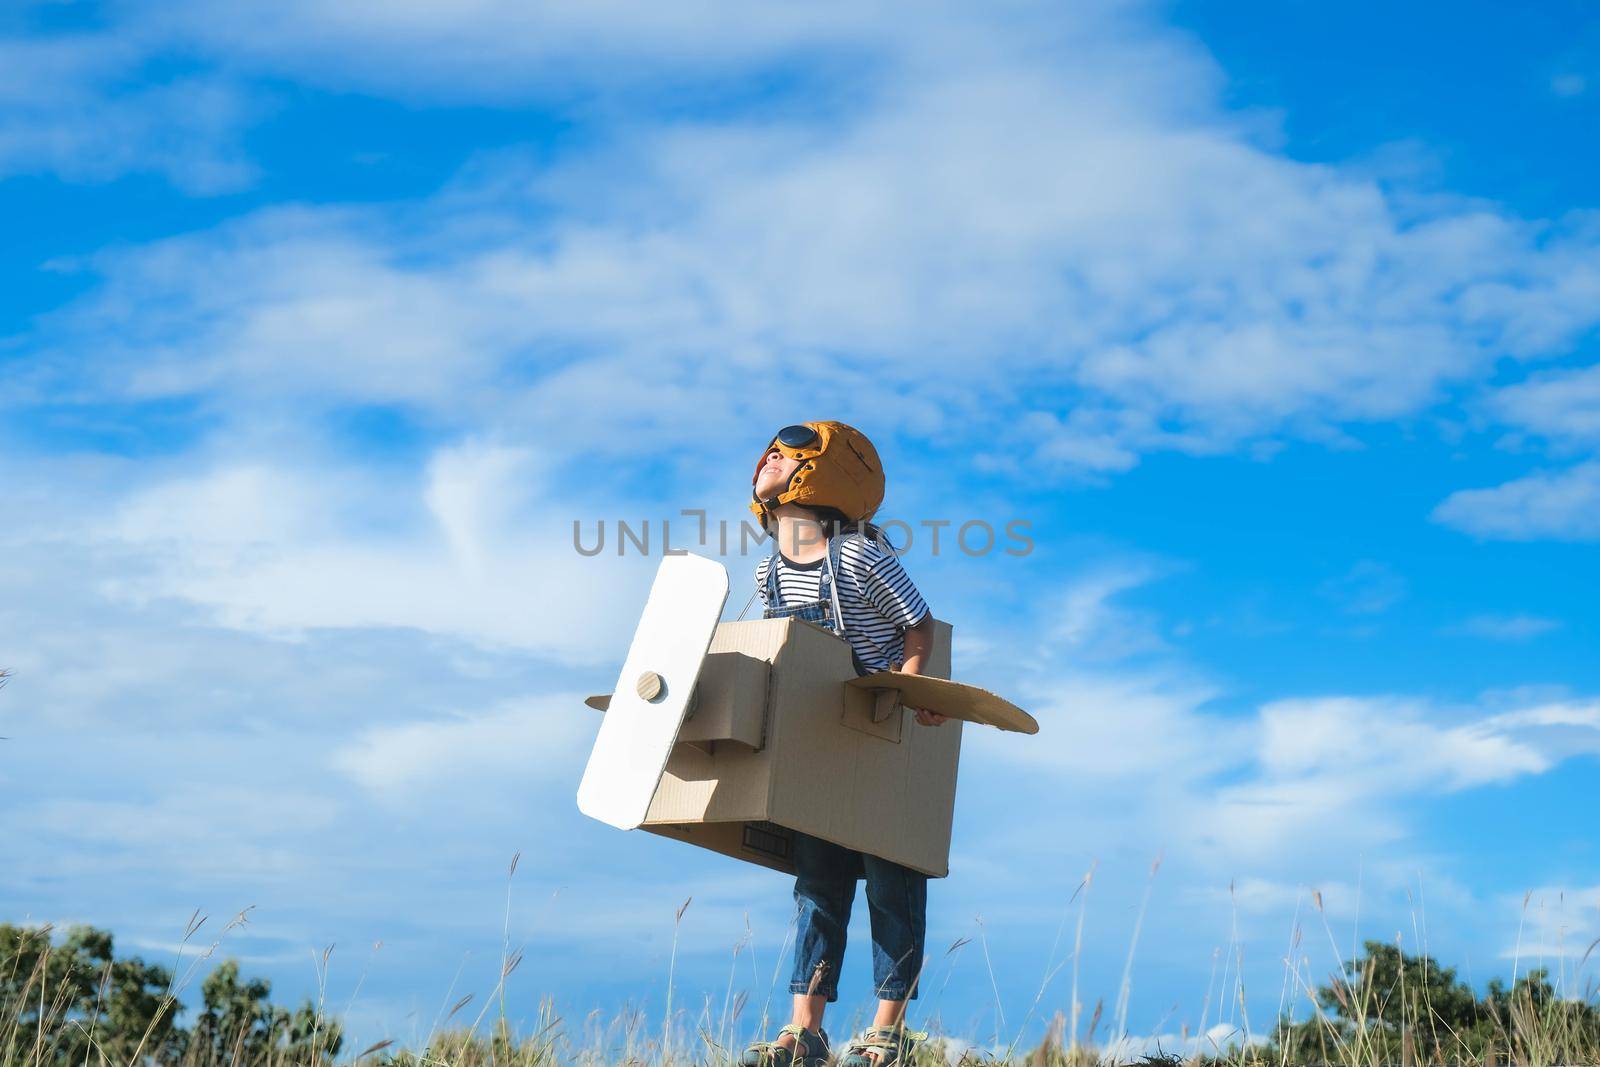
x=774, y=501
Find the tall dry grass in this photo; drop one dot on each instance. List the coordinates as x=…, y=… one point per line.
x=1531, y=1033
x=1351, y=1018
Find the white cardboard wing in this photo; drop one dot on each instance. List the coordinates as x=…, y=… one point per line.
x=652, y=693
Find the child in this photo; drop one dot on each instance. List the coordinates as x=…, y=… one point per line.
x=815, y=487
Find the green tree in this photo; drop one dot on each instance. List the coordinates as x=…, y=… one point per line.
x=70, y=1003
x=1533, y=1023
x=1388, y=1007
x=1390, y=994
x=62, y=1001
x=240, y=1025
x=1385, y=1006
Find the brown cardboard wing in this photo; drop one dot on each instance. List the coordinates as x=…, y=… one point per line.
x=599, y=702
x=953, y=699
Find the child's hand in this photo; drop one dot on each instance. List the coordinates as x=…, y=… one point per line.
x=929, y=718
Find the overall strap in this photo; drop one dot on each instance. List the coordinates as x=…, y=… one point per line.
x=774, y=597
x=827, y=582
x=833, y=582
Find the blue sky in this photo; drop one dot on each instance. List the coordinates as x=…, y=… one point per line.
x=1276, y=321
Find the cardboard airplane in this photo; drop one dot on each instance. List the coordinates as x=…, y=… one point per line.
x=733, y=736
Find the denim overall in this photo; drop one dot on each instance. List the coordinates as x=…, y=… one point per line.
x=826, y=873
x=825, y=611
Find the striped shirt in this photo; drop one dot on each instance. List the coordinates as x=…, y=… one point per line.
x=875, y=594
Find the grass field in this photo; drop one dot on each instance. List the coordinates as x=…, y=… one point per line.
x=58, y=1009
x=66, y=1000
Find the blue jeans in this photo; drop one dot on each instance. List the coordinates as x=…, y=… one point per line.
x=825, y=890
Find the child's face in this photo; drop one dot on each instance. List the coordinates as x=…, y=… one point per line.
x=774, y=474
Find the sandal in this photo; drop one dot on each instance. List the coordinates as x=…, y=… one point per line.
x=810, y=1050
x=883, y=1046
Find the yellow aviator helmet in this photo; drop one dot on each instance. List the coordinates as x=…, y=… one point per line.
x=839, y=468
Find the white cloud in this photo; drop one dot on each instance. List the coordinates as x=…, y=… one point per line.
x=1074, y=262
x=291, y=302
x=472, y=492
x=1295, y=786
x=240, y=506
x=1092, y=626
x=1505, y=627
x=80, y=107
x=501, y=50
x=473, y=552
x=1561, y=405
x=1367, y=588
x=1113, y=727
x=212, y=832
x=540, y=739
x=1263, y=896
x=1560, y=505
x=1555, y=926
x=1559, y=729
x=1386, y=745
x=1334, y=775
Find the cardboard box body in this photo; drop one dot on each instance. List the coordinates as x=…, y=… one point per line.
x=775, y=742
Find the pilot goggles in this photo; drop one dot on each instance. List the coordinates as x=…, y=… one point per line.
x=796, y=436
